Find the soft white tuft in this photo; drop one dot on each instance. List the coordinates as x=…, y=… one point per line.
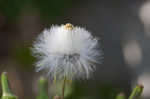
x=67, y=51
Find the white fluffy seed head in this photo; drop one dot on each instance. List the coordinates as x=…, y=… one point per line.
x=67, y=51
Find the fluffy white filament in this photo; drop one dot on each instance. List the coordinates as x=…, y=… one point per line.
x=67, y=51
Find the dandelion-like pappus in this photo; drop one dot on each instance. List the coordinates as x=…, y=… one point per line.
x=67, y=51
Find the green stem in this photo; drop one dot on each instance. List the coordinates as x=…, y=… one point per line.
x=4, y=81
x=6, y=92
x=42, y=94
x=63, y=88
x=136, y=93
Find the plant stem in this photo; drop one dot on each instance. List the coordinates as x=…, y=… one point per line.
x=4, y=81
x=136, y=93
x=42, y=94
x=7, y=94
x=63, y=88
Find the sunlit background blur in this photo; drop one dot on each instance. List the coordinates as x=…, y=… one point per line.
x=122, y=25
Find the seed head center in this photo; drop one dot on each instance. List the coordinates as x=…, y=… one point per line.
x=69, y=26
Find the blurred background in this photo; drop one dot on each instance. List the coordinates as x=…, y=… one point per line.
x=122, y=25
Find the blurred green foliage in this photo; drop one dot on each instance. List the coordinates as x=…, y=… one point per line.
x=108, y=91
x=49, y=9
x=23, y=55
x=11, y=8
x=82, y=90
x=121, y=96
